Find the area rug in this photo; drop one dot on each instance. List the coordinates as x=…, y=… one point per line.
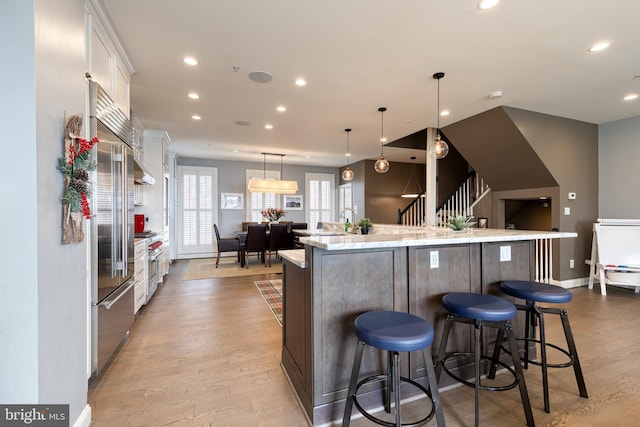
x=205, y=268
x=271, y=291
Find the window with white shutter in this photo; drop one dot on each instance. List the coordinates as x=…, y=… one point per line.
x=321, y=196
x=261, y=201
x=197, y=209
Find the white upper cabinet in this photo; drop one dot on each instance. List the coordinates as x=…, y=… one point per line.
x=107, y=62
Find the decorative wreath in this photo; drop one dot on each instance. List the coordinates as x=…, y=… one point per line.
x=75, y=166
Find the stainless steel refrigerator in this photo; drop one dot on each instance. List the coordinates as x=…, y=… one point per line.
x=111, y=229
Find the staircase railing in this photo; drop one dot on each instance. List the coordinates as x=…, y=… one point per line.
x=460, y=202
x=414, y=213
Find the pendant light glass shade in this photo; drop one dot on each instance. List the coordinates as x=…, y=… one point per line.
x=439, y=149
x=264, y=185
x=347, y=173
x=382, y=164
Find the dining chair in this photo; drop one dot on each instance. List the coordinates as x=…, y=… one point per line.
x=256, y=241
x=245, y=224
x=278, y=238
x=226, y=244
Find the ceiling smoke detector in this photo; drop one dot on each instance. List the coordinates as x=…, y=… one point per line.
x=260, y=76
x=495, y=94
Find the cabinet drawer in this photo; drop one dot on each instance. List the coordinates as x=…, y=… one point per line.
x=138, y=272
x=139, y=295
x=139, y=249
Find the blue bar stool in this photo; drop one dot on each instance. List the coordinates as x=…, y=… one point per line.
x=481, y=311
x=533, y=293
x=394, y=332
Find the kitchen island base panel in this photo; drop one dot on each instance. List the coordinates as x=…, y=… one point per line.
x=347, y=276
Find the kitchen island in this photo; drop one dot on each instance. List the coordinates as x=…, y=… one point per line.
x=396, y=268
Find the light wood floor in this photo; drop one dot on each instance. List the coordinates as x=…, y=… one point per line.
x=207, y=353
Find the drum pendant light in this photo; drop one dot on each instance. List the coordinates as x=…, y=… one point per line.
x=347, y=173
x=264, y=185
x=413, y=188
x=439, y=149
x=382, y=164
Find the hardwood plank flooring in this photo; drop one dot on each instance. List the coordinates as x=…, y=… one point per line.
x=207, y=353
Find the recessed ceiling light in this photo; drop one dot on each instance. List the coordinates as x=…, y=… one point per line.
x=599, y=46
x=196, y=117
x=631, y=97
x=194, y=95
x=301, y=82
x=496, y=94
x=383, y=139
x=190, y=61
x=444, y=113
x=268, y=126
x=260, y=76
x=487, y=4
x=281, y=108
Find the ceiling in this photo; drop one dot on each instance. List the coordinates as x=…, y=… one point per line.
x=359, y=55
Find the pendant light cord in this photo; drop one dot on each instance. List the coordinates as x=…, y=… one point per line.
x=382, y=110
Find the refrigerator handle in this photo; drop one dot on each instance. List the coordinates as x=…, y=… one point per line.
x=124, y=232
x=107, y=304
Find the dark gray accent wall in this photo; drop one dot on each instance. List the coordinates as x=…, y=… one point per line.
x=523, y=154
x=569, y=150
x=497, y=149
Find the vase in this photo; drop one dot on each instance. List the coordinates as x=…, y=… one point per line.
x=364, y=230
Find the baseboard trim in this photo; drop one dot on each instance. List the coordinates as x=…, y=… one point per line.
x=84, y=420
x=572, y=283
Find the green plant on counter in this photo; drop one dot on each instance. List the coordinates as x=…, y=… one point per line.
x=460, y=222
x=364, y=223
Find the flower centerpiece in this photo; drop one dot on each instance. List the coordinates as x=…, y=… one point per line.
x=273, y=214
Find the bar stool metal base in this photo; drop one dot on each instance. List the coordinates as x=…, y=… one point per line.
x=533, y=293
x=504, y=327
x=393, y=332
x=387, y=378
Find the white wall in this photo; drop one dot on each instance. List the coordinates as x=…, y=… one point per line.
x=43, y=290
x=619, y=166
x=18, y=192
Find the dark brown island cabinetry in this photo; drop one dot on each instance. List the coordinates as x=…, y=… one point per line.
x=321, y=300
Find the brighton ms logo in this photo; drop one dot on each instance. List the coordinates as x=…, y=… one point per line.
x=34, y=415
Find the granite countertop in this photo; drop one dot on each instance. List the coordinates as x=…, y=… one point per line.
x=295, y=256
x=426, y=237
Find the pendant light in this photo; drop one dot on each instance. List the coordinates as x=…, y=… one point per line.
x=413, y=188
x=264, y=185
x=382, y=164
x=439, y=149
x=347, y=173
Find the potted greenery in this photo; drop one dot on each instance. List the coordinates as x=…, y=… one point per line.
x=365, y=225
x=459, y=223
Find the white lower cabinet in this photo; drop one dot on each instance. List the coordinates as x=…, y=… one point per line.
x=140, y=274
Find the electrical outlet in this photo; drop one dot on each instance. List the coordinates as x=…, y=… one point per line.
x=434, y=259
x=572, y=263
x=505, y=253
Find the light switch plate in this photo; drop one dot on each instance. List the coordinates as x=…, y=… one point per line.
x=567, y=211
x=434, y=259
x=505, y=253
